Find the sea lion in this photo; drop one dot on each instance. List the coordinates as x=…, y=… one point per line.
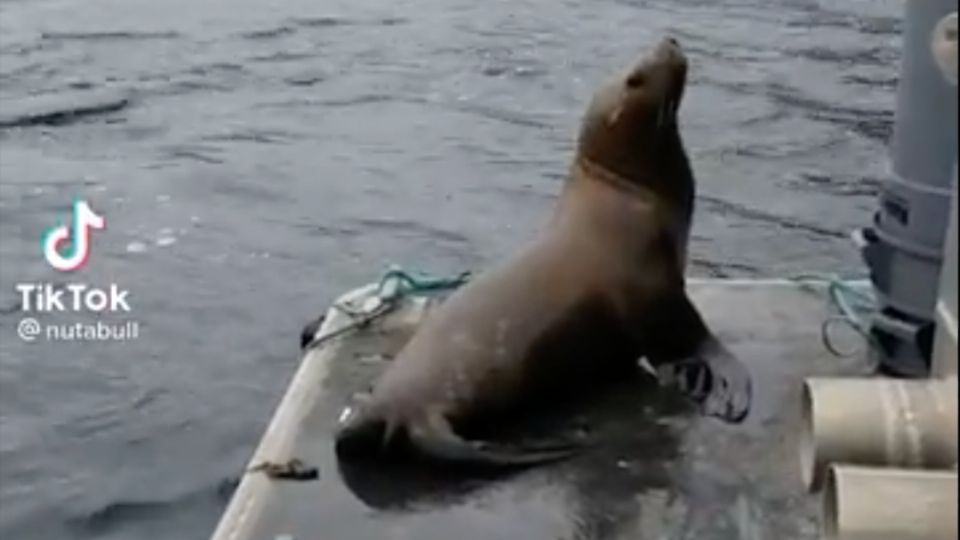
x=600, y=288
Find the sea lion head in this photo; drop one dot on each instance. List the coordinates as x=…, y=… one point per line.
x=630, y=128
x=362, y=428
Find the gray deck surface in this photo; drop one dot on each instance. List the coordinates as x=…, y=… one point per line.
x=656, y=471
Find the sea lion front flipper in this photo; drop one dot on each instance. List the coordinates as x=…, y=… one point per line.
x=715, y=379
x=435, y=439
x=688, y=357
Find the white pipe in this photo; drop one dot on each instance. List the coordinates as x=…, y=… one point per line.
x=879, y=422
x=945, y=346
x=944, y=45
x=889, y=504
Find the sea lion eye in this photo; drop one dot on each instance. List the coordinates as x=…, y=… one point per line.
x=636, y=80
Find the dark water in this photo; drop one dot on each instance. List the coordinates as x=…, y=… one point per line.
x=255, y=159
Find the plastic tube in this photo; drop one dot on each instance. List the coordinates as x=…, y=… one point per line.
x=862, y=503
x=877, y=422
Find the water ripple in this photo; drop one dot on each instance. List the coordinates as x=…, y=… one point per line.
x=110, y=36
x=723, y=269
x=254, y=135
x=872, y=123
x=205, y=154
x=876, y=124
x=269, y=33
x=857, y=186
x=121, y=513
x=515, y=118
x=283, y=56
x=420, y=230
x=872, y=56
x=333, y=21
x=722, y=207
x=61, y=108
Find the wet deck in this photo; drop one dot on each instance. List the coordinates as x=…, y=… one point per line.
x=656, y=472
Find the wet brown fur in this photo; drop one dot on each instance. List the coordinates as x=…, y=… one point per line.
x=600, y=287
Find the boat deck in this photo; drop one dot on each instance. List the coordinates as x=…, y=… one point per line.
x=657, y=471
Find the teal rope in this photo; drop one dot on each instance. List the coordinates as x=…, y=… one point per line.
x=399, y=283
x=856, y=308
x=395, y=285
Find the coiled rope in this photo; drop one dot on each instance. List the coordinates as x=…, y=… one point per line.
x=855, y=308
x=394, y=286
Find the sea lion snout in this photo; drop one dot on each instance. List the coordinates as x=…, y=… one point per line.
x=670, y=51
x=361, y=428
x=670, y=45
x=663, y=73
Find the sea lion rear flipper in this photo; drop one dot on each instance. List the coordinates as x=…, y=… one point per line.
x=435, y=439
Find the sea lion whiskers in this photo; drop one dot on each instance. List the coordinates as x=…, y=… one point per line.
x=661, y=110
x=389, y=432
x=667, y=112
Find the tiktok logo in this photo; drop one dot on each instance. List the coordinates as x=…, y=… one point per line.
x=74, y=257
x=66, y=247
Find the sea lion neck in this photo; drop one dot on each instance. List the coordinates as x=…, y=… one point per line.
x=631, y=127
x=669, y=176
x=587, y=170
